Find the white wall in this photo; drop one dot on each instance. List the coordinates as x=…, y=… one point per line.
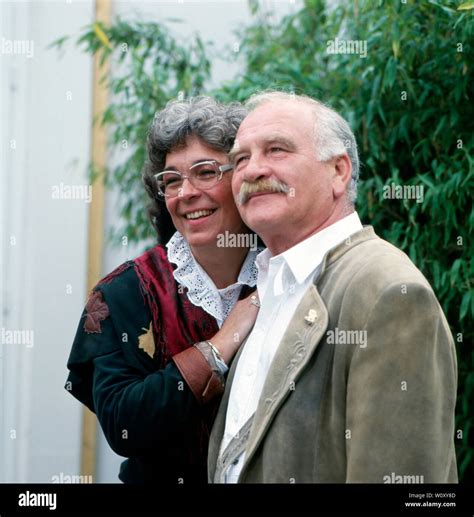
x=43, y=274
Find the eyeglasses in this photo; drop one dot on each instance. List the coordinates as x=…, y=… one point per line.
x=201, y=175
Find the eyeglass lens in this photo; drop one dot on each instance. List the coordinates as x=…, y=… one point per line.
x=202, y=175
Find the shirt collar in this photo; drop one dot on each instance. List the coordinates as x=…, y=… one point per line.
x=307, y=255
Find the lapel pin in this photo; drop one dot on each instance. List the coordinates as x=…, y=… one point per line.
x=311, y=317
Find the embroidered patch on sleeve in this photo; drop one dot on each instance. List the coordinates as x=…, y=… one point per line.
x=146, y=341
x=96, y=311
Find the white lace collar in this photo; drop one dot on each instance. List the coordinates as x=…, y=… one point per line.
x=202, y=291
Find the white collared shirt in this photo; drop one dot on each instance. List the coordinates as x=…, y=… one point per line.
x=282, y=282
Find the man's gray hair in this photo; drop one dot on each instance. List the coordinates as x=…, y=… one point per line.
x=333, y=136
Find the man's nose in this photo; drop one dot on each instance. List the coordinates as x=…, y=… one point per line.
x=257, y=168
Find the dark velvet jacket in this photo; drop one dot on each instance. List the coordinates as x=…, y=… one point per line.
x=136, y=319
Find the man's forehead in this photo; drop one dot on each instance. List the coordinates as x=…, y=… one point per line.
x=264, y=134
x=272, y=117
x=271, y=110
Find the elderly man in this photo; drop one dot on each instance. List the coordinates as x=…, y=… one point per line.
x=349, y=374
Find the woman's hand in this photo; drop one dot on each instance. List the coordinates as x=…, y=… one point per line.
x=236, y=327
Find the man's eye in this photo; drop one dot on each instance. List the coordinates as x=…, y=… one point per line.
x=240, y=159
x=276, y=149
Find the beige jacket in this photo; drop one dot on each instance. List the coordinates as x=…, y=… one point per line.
x=332, y=412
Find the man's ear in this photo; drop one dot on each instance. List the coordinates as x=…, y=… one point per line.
x=342, y=175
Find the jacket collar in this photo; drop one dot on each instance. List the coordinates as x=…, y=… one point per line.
x=367, y=233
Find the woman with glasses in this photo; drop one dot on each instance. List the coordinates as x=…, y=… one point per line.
x=158, y=333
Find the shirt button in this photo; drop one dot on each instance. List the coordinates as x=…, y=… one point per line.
x=250, y=373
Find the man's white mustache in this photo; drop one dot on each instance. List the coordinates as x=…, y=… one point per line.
x=266, y=185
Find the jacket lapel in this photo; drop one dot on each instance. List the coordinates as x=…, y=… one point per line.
x=296, y=348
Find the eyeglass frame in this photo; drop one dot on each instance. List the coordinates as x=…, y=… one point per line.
x=221, y=168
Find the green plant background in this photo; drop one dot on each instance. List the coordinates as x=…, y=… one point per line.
x=409, y=102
